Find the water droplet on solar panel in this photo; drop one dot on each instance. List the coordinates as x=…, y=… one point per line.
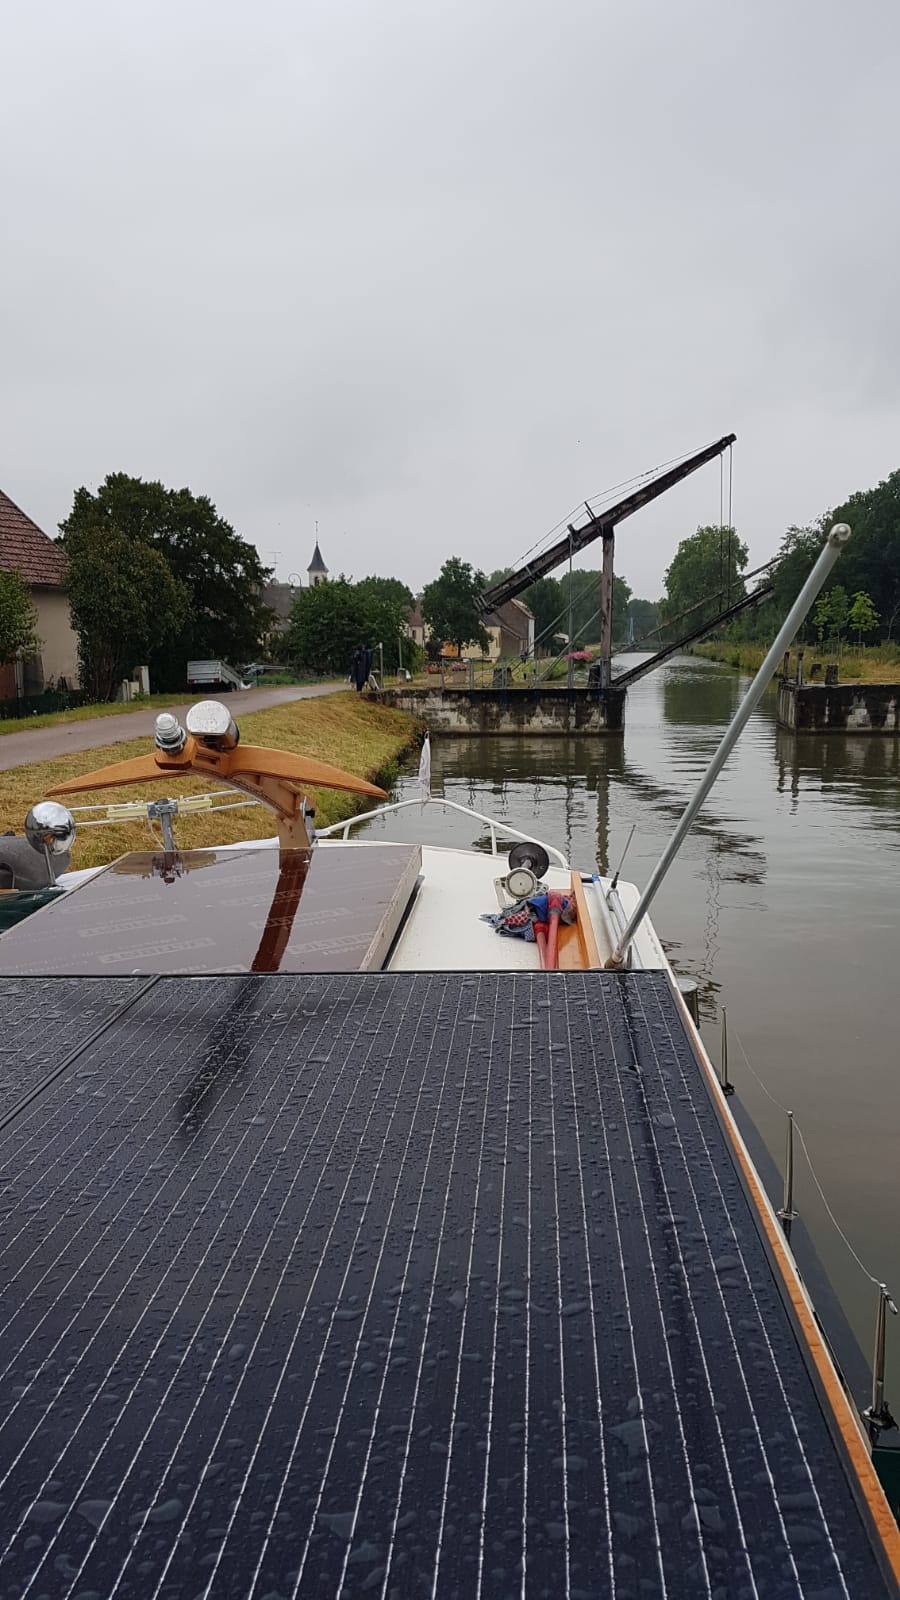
x=93, y=1511
x=46, y=1511
x=169, y=1511
x=337, y=1522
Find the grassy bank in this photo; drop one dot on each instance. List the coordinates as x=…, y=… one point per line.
x=880, y=664
x=343, y=729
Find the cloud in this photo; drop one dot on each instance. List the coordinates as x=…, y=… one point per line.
x=433, y=274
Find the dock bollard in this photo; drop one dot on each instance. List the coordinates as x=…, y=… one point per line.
x=787, y=1212
x=689, y=990
x=727, y=1087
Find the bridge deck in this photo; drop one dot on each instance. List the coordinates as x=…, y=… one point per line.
x=414, y=1284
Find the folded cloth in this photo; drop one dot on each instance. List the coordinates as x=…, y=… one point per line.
x=518, y=920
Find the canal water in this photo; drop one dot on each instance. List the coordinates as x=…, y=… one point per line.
x=783, y=905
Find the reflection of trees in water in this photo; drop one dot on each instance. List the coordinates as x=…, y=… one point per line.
x=860, y=770
x=543, y=764
x=694, y=696
x=746, y=860
x=498, y=773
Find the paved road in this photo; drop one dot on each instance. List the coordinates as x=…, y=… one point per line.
x=44, y=744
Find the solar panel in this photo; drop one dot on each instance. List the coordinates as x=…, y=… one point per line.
x=402, y=1284
x=44, y=1021
x=324, y=910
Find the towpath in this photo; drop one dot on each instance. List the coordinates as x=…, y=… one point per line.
x=45, y=744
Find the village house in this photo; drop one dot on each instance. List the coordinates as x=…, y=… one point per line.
x=24, y=548
x=510, y=630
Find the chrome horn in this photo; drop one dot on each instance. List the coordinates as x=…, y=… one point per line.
x=212, y=722
x=50, y=829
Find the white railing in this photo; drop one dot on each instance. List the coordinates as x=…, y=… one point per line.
x=492, y=823
x=136, y=811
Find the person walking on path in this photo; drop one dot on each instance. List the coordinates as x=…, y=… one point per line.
x=361, y=670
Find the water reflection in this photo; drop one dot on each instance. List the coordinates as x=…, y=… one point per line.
x=860, y=770
x=716, y=704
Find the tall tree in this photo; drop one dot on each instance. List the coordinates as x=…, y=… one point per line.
x=586, y=625
x=495, y=577
x=221, y=573
x=124, y=602
x=328, y=623
x=863, y=618
x=645, y=616
x=18, y=620
x=386, y=604
x=450, y=605
x=547, y=599
x=870, y=563
x=707, y=568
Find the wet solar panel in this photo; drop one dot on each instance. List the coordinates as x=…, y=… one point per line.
x=426, y=1284
x=256, y=910
x=43, y=1021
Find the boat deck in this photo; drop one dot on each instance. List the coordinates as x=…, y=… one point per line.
x=397, y=1285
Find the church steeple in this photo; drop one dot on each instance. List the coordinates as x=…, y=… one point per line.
x=317, y=569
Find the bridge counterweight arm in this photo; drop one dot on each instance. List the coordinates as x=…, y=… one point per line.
x=576, y=539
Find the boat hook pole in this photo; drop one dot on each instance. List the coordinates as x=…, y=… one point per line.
x=828, y=555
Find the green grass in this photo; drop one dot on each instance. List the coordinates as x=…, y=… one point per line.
x=878, y=664
x=345, y=730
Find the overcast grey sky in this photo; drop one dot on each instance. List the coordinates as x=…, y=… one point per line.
x=434, y=273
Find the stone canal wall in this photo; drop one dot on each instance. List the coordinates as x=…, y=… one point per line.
x=839, y=707
x=510, y=711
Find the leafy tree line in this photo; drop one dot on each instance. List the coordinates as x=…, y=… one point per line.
x=155, y=575
x=329, y=623
x=869, y=565
x=548, y=599
x=704, y=577
x=861, y=603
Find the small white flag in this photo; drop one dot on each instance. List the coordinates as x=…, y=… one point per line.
x=425, y=769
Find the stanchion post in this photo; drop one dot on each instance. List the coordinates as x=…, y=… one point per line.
x=727, y=1086
x=878, y=1414
x=787, y=1212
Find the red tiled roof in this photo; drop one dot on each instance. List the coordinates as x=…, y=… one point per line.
x=24, y=547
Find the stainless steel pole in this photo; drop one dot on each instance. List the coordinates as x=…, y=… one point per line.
x=834, y=544
x=727, y=1085
x=878, y=1414
x=878, y=1362
x=787, y=1212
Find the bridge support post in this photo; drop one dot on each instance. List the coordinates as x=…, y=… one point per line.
x=606, y=608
